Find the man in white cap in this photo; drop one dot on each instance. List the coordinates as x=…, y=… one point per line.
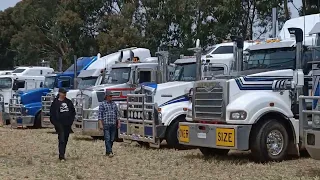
x=108, y=121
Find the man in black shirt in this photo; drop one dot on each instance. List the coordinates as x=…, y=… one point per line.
x=62, y=114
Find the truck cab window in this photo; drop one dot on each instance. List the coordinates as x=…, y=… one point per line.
x=5, y=83
x=144, y=76
x=185, y=72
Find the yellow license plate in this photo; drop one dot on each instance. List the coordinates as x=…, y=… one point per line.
x=225, y=137
x=184, y=133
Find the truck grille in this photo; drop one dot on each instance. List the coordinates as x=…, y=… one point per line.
x=209, y=100
x=15, y=108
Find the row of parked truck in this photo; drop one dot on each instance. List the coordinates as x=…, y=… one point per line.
x=242, y=95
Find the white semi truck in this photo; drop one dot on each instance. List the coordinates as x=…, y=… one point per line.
x=152, y=114
x=258, y=112
x=122, y=79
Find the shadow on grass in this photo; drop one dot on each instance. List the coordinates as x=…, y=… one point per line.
x=235, y=158
x=83, y=138
x=146, y=145
x=238, y=157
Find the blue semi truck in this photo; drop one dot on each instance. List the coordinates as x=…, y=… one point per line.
x=25, y=106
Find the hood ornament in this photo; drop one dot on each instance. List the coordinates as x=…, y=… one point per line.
x=210, y=86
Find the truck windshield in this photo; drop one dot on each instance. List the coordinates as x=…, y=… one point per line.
x=50, y=82
x=283, y=58
x=87, y=82
x=118, y=76
x=18, y=70
x=185, y=72
x=5, y=83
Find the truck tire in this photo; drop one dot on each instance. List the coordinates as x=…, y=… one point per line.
x=209, y=152
x=269, y=142
x=172, y=135
x=37, y=121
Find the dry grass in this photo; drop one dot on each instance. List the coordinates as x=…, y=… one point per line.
x=32, y=154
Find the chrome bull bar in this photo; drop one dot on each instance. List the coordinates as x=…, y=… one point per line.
x=46, y=102
x=138, y=119
x=90, y=123
x=15, y=111
x=78, y=103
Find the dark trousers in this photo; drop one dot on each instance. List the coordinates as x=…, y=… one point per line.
x=63, y=136
x=109, y=135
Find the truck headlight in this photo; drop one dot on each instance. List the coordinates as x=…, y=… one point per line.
x=19, y=100
x=160, y=116
x=316, y=121
x=24, y=111
x=238, y=115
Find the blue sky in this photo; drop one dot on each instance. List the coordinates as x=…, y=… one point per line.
x=4, y=4
x=9, y=3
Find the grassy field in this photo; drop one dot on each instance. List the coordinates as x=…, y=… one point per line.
x=32, y=154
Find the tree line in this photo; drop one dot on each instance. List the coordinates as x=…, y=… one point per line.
x=36, y=30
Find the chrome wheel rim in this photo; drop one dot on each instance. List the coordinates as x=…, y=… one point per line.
x=275, y=142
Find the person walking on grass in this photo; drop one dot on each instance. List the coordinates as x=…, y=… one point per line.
x=62, y=114
x=108, y=121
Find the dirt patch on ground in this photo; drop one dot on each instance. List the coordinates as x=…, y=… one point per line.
x=32, y=154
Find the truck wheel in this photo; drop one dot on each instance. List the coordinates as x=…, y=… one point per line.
x=172, y=135
x=37, y=121
x=269, y=142
x=208, y=152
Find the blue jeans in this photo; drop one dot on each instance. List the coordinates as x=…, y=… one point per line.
x=109, y=135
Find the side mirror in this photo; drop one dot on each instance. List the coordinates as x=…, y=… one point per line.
x=41, y=85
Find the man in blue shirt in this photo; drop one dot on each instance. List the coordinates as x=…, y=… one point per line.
x=108, y=121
